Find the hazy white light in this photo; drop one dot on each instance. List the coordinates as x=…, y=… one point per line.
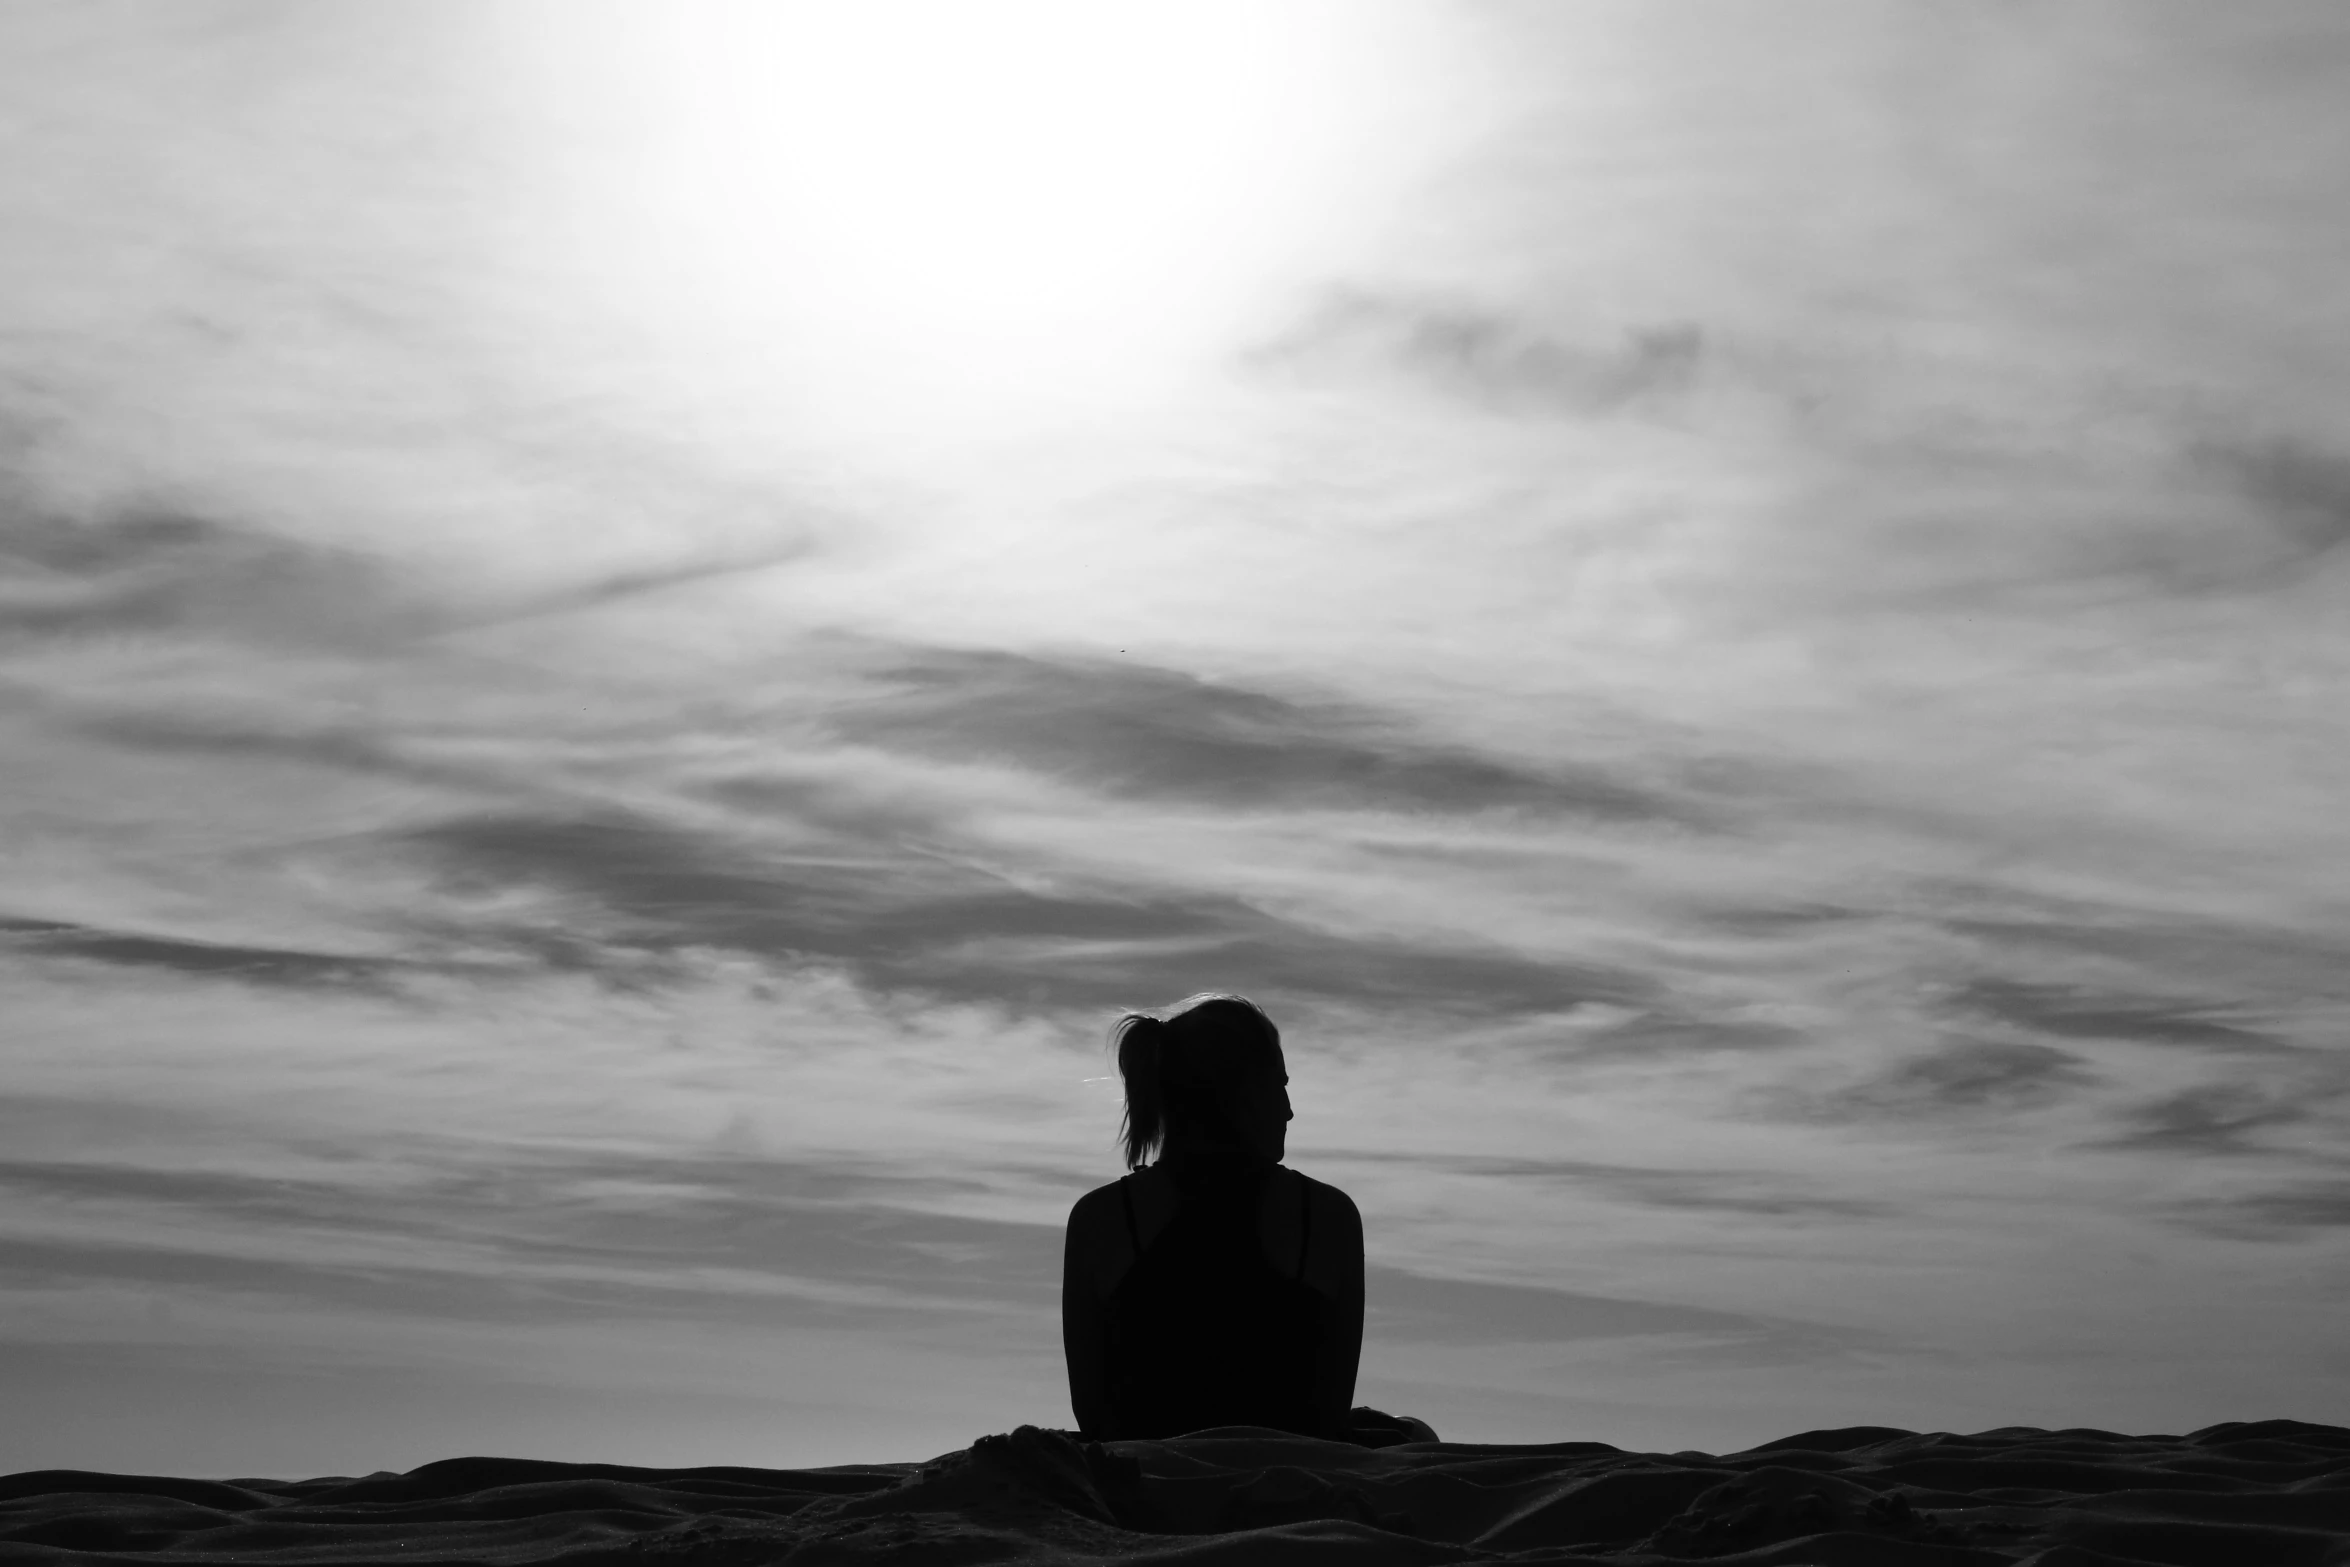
x=974, y=208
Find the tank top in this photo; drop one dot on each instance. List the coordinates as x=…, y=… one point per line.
x=1203, y=1330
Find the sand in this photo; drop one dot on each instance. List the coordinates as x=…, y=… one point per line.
x=2236, y=1495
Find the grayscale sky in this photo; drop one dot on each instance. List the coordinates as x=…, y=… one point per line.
x=626, y=627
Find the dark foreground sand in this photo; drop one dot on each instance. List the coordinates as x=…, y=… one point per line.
x=2237, y=1495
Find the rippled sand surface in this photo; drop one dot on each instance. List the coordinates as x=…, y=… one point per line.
x=2234, y=1495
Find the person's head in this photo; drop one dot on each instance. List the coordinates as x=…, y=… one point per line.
x=1206, y=1072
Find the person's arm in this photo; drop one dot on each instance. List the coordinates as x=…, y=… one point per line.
x=1083, y=1339
x=1342, y=1349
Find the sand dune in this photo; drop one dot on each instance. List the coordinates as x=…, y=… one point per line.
x=2235, y=1495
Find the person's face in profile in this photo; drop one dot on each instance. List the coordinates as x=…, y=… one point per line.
x=1263, y=1114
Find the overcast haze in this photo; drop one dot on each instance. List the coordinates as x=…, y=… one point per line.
x=627, y=628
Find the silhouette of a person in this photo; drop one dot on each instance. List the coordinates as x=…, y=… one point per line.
x=1214, y=1286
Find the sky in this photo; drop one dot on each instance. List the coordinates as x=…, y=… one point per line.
x=625, y=630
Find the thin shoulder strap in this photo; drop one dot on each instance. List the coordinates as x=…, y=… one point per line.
x=1305, y=1221
x=1126, y=1196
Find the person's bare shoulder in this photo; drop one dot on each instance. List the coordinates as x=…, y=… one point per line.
x=1097, y=1248
x=1333, y=1208
x=1092, y=1213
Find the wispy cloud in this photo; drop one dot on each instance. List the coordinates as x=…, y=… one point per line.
x=2209, y=1119
x=1457, y=1311
x=1751, y=1192
x=153, y=570
x=1966, y=1077
x=1496, y=358
x=1138, y=730
x=2303, y=490
x=2083, y=1012
x=272, y=966
x=2282, y=1214
x=458, y=1234
x=910, y=922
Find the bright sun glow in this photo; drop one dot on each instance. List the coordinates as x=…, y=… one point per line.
x=975, y=208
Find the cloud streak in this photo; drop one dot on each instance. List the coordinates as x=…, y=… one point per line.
x=908, y=924
x=2079, y=1012
x=1140, y=731
x=2210, y=1119
x=1499, y=361
x=265, y=966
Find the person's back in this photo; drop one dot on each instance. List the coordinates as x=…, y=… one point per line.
x=1204, y=1329
x=1213, y=1287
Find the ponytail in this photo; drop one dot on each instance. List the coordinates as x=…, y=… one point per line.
x=1141, y=1042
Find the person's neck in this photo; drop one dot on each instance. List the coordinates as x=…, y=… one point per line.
x=1186, y=1152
